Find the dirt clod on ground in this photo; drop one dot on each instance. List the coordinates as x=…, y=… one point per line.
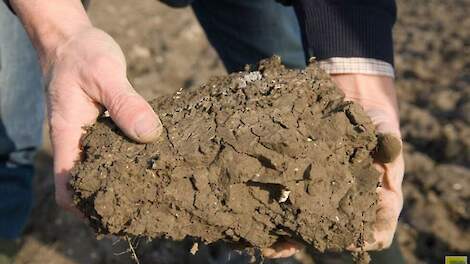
x=250, y=158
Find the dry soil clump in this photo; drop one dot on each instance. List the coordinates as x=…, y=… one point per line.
x=249, y=158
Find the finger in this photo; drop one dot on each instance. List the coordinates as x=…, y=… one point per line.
x=384, y=241
x=65, y=142
x=66, y=120
x=386, y=221
x=390, y=205
x=286, y=253
x=282, y=249
x=64, y=200
x=132, y=113
x=283, y=253
x=385, y=226
x=268, y=252
x=392, y=177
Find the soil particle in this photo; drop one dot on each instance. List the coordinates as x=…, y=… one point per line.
x=194, y=248
x=249, y=158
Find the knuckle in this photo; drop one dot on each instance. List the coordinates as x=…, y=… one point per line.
x=118, y=103
x=125, y=105
x=103, y=67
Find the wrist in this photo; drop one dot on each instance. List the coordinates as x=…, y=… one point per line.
x=50, y=24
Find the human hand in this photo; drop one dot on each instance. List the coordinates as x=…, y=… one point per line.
x=85, y=75
x=376, y=94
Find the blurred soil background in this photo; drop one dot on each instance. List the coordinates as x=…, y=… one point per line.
x=166, y=50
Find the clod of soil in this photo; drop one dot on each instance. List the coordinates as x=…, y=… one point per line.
x=388, y=148
x=250, y=158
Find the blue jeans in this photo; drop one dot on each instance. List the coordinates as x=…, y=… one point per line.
x=21, y=119
x=246, y=31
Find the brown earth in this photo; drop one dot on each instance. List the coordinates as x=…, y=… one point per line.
x=250, y=158
x=432, y=43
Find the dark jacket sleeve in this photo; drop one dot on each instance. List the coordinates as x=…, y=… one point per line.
x=347, y=28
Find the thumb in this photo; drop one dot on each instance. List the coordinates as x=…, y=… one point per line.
x=132, y=113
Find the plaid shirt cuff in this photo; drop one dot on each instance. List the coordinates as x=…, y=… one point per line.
x=339, y=65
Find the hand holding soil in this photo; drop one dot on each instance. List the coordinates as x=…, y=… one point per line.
x=249, y=158
x=377, y=96
x=89, y=71
x=433, y=86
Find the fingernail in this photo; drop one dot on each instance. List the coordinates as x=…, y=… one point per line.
x=148, y=128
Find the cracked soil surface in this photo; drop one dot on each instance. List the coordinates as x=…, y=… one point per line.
x=249, y=158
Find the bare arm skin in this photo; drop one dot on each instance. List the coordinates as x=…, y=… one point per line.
x=85, y=73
